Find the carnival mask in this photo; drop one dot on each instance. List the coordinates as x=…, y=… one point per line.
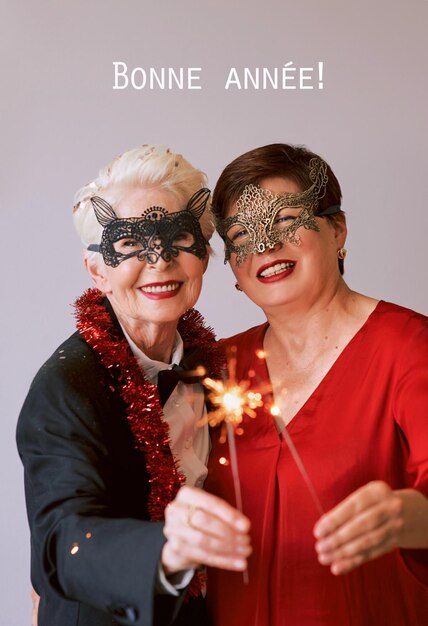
x=156, y=234
x=263, y=220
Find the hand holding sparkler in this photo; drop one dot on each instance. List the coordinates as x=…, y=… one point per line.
x=203, y=529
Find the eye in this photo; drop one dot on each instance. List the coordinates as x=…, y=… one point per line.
x=184, y=238
x=125, y=246
x=283, y=219
x=238, y=234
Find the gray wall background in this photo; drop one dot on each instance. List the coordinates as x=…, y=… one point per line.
x=61, y=120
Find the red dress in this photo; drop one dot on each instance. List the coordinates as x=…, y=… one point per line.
x=367, y=420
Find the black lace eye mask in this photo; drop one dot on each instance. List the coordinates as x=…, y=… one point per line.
x=156, y=234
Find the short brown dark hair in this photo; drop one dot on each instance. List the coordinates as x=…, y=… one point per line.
x=276, y=159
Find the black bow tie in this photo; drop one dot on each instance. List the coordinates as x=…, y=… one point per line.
x=186, y=372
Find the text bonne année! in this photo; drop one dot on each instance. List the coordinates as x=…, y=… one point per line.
x=289, y=76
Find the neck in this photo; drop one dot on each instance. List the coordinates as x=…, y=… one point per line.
x=156, y=340
x=296, y=326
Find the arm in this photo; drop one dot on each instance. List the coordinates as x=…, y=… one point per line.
x=74, y=448
x=376, y=519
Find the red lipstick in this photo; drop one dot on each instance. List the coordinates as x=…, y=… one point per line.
x=275, y=271
x=161, y=291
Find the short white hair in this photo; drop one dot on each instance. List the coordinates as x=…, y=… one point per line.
x=146, y=166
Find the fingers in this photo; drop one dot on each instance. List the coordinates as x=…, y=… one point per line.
x=364, y=526
x=204, y=530
x=358, y=501
x=180, y=555
x=367, y=546
x=192, y=496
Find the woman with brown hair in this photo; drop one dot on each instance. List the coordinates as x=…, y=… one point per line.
x=339, y=515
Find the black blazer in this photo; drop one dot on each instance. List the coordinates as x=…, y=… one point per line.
x=94, y=552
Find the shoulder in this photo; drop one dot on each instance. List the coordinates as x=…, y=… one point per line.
x=71, y=384
x=398, y=337
x=73, y=363
x=73, y=398
x=399, y=324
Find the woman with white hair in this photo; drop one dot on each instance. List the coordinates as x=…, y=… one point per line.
x=108, y=433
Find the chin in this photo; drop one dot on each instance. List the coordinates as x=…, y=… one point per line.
x=272, y=300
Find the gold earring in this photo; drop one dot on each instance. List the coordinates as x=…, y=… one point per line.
x=237, y=287
x=341, y=253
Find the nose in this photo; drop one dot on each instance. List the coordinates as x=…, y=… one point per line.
x=266, y=249
x=158, y=259
x=155, y=254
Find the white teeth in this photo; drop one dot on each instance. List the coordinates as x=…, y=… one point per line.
x=276, y=269
x=160, y=288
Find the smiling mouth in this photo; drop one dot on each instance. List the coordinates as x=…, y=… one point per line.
x=161, y=287
x=277, y=268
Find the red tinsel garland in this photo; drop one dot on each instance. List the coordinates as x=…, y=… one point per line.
x=144, y=411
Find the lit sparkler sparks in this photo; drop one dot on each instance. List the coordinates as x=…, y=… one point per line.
x=232, y=401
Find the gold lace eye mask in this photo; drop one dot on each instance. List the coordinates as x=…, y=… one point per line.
x=263, y=220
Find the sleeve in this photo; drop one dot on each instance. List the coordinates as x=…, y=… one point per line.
x=85, y=549
x=181, y=581
x=411, y=402
x=411, y=413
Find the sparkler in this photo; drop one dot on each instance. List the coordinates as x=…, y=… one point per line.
x=232, y=401
x=297, y=459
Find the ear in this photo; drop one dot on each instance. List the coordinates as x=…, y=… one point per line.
x=98, y=274
x=340, y=230
x=205, y=262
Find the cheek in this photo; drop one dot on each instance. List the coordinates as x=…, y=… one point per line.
x=195, y=288
x=192, y=292
x=318, y=254
x=241, y=270
x=193, y=267
x=123, y=276
x=237, y=272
